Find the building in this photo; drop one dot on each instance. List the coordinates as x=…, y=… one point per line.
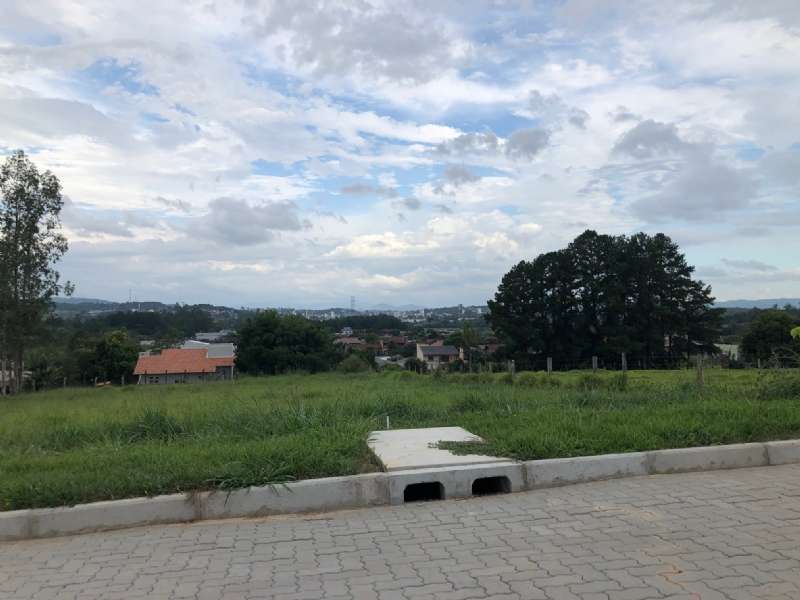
x=436, y=356
x=223, y=350
x=351, y=343
x=214, y=336
x=182, y=365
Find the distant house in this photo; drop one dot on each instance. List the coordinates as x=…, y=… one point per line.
x=182, y=365
x=346, y=332
x=351, y=343
x=729, y=350
x=214, y=336
x=437, y=356
x=223, y=350
x=7, y=380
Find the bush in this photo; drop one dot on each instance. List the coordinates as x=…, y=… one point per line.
x=776, y=385
x=353, y=364
x=532, y=379
x=593, y=381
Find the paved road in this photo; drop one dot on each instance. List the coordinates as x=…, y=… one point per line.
x=723, y=535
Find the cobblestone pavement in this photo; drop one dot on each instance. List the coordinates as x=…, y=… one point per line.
x=726, y=534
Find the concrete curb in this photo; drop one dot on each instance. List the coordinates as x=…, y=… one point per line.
x=376, y=489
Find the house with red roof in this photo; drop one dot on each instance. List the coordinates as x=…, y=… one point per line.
x=182, y=365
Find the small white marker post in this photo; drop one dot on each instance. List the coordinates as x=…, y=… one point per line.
x=387, y=422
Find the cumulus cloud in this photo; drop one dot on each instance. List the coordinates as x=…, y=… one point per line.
x=551, y=109
x=527, y=143
x=458, y=175
x=240, y=223
x=701, y=190
x=471, y=143
x=384, y=97
x=649, y=139
x=366, y=39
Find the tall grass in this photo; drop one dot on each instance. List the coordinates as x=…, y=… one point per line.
x=79, y=445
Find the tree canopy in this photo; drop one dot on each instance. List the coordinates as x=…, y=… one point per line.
x=31, y=243
x=271, y=344
x=603, y=295
x=769, y=335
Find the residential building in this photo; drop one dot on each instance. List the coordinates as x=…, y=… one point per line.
x=182, y=365
x=437, y=356
x=223, y=350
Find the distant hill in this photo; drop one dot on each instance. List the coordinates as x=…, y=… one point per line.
x=391, y=307
x=75, y=300
x=764, y=303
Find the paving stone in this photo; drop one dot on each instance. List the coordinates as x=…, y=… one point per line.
x=728, y=535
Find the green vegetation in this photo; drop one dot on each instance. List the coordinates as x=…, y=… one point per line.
x=271, y=344
x=770, y=337
x=603, y=295
x=80, y=445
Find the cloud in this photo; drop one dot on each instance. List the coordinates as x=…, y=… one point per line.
x=551, y=110
x=701, y=190
x=363, y=189
x=578, y=117
x=458, y=175
x=622, y=115
x=175, y=204
x=386, y=245
x=782, y=168
x=37, y=119
x=90, y=223
x=527, y=143
x=367, y=40
x=411, y=203
x=239, y=223
x=471, y=143
x=749, y=265
x=650, y=139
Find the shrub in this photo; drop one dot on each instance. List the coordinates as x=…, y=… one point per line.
x=353, y=364
x=531, y=379
x=776, y=385
x=593, y=381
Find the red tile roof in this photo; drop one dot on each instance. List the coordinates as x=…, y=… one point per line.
x=179, y=360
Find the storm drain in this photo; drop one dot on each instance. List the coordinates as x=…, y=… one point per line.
x=486, y=486
x=421, y=492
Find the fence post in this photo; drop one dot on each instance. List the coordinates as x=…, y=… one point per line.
x=700, y=377
x=759, y=364
x=513, y=368
x=65, y=382
x=549, y=365
x=594, y=364
x=624, y=363
x=122, y=380
x=95, y=382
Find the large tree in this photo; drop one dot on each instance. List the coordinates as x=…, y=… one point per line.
x=603, y=295
x=31, y=243
x=270, y=344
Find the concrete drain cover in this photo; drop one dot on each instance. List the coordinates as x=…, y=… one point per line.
x=402, y=449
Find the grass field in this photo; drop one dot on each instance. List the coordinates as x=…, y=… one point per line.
x=79, y=445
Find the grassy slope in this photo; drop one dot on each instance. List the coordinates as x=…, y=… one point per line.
x=79, y=445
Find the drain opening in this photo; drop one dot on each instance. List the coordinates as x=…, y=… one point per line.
x=485, y=486
x=421, y=492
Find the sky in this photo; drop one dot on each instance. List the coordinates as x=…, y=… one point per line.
x=285, y=153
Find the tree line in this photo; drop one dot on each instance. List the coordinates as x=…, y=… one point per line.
x=601, y=296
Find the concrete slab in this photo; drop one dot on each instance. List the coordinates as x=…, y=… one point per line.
x=402, y=449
